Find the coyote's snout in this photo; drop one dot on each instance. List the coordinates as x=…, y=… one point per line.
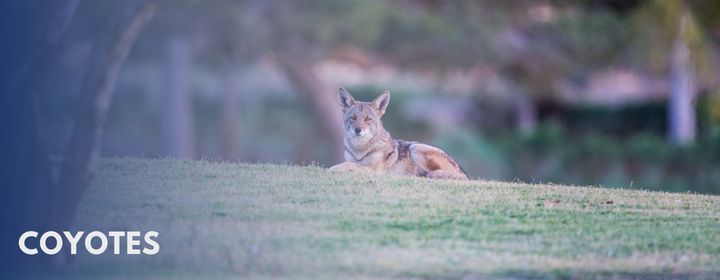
x=369, y=147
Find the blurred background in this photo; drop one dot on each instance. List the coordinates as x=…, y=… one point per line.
x=620, y=94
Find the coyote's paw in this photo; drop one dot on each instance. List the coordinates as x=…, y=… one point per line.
x=336, y=168
x=347, y=166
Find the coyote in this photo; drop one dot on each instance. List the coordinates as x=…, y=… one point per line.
x=369, y=147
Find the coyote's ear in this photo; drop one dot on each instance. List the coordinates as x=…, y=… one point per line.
x=381, y=102
x=345, y=99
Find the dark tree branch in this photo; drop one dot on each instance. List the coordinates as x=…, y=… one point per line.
x=84, y=146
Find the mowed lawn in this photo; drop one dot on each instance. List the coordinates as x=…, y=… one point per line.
x=220, y=220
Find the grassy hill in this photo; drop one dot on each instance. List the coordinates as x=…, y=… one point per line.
x=273, y=221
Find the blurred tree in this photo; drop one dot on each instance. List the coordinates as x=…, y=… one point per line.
x=681, y=51
x=299, y=34
x=707, y=14
x=43, y=196
x=230, y=113
x=296, y=35
x=177, y=110
x=26, y=165
x=532, y=45
x=214, y=41
x=83, y=151
x=682, y=120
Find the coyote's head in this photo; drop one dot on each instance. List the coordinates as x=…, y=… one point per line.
x=362, y=119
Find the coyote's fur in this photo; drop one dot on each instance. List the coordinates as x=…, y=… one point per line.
x=369, y=147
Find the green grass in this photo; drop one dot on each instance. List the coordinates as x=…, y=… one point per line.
x=270, y=221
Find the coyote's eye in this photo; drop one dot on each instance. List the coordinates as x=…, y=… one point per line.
x=352, y=118
x=367, y=119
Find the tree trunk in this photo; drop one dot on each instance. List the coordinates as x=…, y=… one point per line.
x=230, y=114
x=321, y=100
x=84, y=146
x=26, y=170
x=177, y=111
x=681, y=111
x=33, y=197
x=525, y=114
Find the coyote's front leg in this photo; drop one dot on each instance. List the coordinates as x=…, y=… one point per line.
x=349, y=166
